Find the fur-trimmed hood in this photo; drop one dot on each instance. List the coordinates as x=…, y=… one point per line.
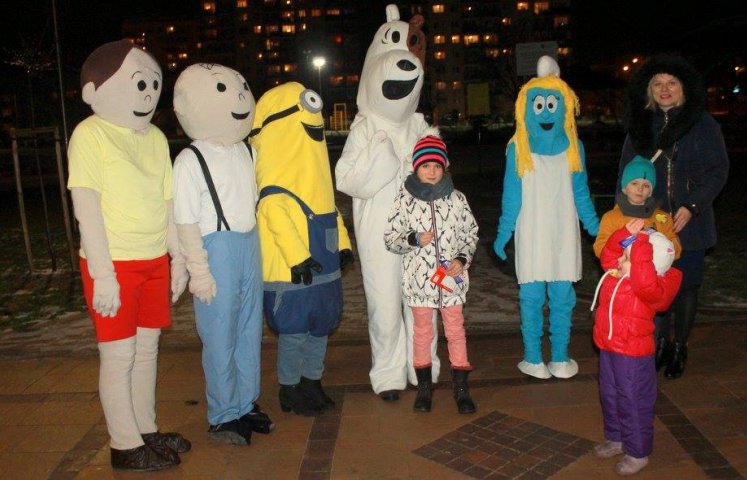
x=639, y=120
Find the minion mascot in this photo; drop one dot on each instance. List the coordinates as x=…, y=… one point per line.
x=373, y=166
x=215, y=194
x=120, y=182
x=304, y=242
x=545, y=192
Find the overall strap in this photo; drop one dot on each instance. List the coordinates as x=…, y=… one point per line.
x=211, y=188
x=274, y=189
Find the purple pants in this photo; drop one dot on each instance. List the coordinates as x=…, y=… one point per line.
x=627, y=390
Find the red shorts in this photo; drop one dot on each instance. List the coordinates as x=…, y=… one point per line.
x=144, y=291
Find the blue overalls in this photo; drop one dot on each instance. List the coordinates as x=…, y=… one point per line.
x=304, y=315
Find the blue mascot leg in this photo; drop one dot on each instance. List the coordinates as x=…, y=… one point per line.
x=531, y=301
x=290, y=357
x=314, y=350
x=562, y=300
x=216, y=326
x=249, y=328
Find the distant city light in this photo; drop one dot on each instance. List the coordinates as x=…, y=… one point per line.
x=318, y=62
x=635, y=59
x=626, y=68
x=736, y=89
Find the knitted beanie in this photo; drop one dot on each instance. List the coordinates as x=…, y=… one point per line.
x=639, y=167
x=429, y=149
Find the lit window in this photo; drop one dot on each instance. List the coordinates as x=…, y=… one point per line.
x=289, y=68
x=540, y=7
x=183, y=55
x=244, y=17
x=561, y=21
x=288, y=14
x=274, y=55
x=199, y=45
x=302, y=14
x=257, y=29
x=522, y=5
x=303, y=27
x=316, y=12
x=333, y=12
x=490, y=38
x=289, y=29
x=211, y=33
x=506, y=21
x=240, y=3
x=439, y=55
x=170, y=29
x=438, y=8
x=456, y=38
x=242, y=45
x=289, y=2
x=338, y=39
x=456, y=85
x=208, y=6
x=440, y=85
x=273, y=69
x=564, y=51
x=439, y=39
x=172, y=66
x=352, y=79
x=271, y=28
x=336, y=80
x=471, y=39
x=260, y=56
x=492, y=52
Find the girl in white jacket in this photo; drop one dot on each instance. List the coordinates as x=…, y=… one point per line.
x=432, y=225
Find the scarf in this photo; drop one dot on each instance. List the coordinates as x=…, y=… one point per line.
x=426, y=191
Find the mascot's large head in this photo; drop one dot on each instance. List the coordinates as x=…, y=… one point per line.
x=122, y=84
x=393, y=71
x=545, y=118
x=214, y=103
x=288, y=135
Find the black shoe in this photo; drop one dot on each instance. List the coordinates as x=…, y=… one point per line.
x=423, y=400
x=663, y=352
x=676, y=366
x=233, y=432
x=389, y=395
x=257, y=420
x=175, y=441
x=461, y=392
x=313, y=390
x=293, y=398
x=142, y=459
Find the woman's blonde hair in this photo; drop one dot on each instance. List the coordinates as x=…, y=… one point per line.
x=651, y=103
x=521, y=136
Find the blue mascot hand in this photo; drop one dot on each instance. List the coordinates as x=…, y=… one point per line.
x=302, y=271
x=499, y=248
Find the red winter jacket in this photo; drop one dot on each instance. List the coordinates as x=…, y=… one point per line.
x=637, y=299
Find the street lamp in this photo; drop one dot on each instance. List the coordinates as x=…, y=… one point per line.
x=319, y=62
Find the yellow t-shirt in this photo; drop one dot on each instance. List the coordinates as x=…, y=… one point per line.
x=132, y=173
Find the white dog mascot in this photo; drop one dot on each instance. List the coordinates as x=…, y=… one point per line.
x=374, y=163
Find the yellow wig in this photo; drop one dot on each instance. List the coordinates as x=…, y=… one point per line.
x=521, y=137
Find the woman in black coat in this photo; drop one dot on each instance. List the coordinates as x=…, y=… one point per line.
x=666, y=121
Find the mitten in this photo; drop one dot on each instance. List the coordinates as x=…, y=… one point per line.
x=302, y=271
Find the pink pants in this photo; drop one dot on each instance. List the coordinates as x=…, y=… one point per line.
x=454, y=329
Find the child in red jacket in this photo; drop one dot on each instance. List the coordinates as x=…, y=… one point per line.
x=638, y=283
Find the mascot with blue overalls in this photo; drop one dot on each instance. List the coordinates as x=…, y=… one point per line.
x=545, y=193
x=304, y=242
x=214, y=197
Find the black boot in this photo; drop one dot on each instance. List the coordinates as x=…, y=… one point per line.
x=425, y=390
x=313, y=390
x=676, y=365
x=663, y=352
x=168, y=444
x=257, y=420
x=461, y=392
x=143, y=459
x=293, y=398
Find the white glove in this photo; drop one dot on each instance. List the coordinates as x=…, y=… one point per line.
x=179, y=274
x=179, y=277
x=201, y=284
x=106, y=300
x=95, y=244
x=381, y=146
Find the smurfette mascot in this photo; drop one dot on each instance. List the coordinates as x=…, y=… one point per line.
x=120, y=182
x=304, y=242
x=215, y=193
x=372, y=168
x=545, y=192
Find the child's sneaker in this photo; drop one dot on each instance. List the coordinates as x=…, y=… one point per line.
x=608, y=449
x=630, y=465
